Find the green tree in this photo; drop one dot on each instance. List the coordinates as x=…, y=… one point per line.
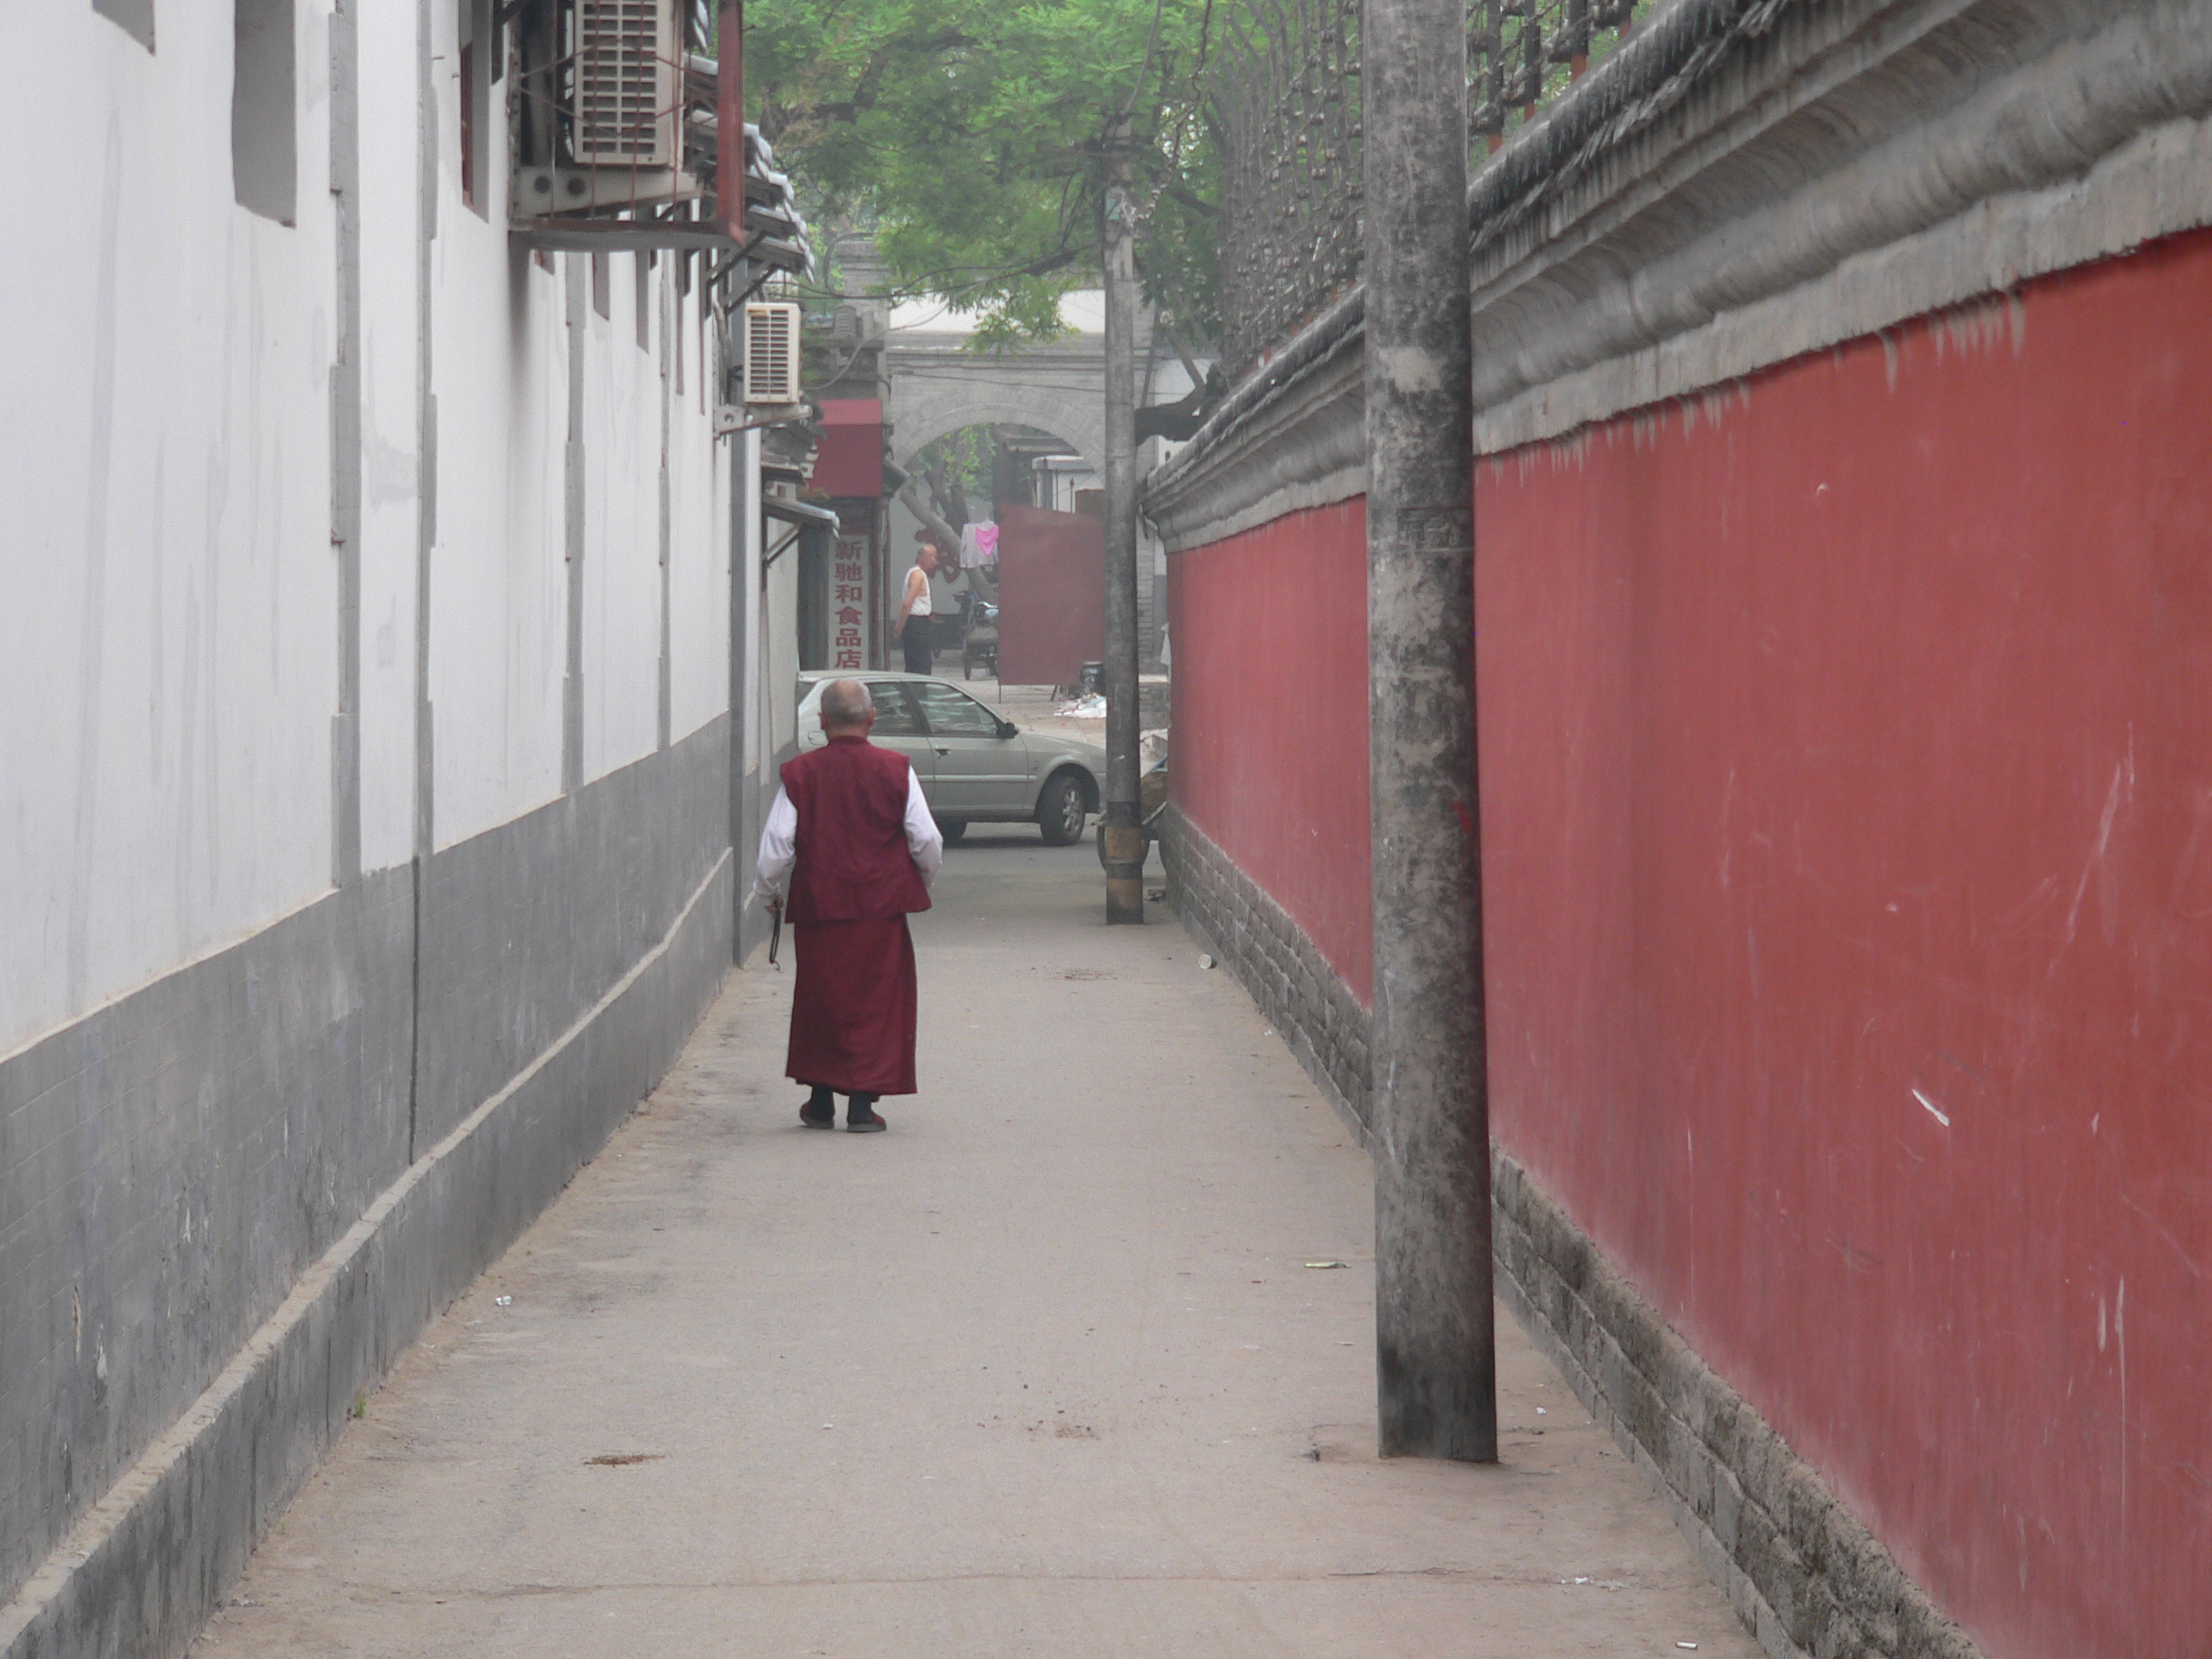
x=957, y=469
x=968, y=135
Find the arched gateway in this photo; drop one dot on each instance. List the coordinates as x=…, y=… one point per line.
x=936, y=385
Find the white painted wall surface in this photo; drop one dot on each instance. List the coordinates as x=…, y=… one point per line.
x=499, y=578
x=169, y=624
x=780, y=655
x=760, y=745
x=166, y=645
x=699, y=559
x=498, y=592
x=622, y=636
x=390, y=73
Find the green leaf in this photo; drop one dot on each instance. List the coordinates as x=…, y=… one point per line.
x=968, y=137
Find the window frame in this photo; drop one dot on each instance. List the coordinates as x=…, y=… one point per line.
x=946, y=688
x=901, y=693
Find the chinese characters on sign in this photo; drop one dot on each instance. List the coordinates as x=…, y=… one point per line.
x=848, y=607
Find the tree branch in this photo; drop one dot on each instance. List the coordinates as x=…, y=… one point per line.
x=947, y=538
x=1179, y=420
x=1189, y=199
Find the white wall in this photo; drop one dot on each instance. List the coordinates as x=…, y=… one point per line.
x=622, y=398
x=699, y=548
x=169, y=622
x=167, y=639
x=781, y=653
x=389, y=78
x=498, y=585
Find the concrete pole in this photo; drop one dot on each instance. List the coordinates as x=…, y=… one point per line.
x=1435, y=1354
x=1120, y=829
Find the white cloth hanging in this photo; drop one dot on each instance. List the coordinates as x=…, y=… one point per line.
x=979, y=545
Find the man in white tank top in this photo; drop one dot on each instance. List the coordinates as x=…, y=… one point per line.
x=915, y=624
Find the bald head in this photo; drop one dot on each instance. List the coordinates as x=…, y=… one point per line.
x=846, y=707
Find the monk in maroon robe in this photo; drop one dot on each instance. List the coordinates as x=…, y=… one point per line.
x=853, y=834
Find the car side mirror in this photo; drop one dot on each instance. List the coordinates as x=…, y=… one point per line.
x=1008, y=728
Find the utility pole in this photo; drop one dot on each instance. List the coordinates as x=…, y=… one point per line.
x=1121, y=830
x=1434, y=1341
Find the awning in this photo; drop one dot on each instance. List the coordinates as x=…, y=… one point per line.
x=797, y=512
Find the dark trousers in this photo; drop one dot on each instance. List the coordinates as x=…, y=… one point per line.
x=920, y=642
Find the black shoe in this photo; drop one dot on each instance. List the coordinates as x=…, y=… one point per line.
x=818, y=1113
x=865, y=1121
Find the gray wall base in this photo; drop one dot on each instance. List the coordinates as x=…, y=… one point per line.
x=1802, y=1571
x=142, y=1570
x=212, y=1237
x=171, y=1165
x=1259, y=941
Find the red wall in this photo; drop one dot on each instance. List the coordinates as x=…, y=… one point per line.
x=1847, y=756
x=1847, y=761
x=1269, y=630
x=1052, y=594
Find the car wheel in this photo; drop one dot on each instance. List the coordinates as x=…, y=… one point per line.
x=952, y=829
x=1061, y=813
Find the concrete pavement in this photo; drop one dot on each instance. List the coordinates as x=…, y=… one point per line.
x=1042, y=1371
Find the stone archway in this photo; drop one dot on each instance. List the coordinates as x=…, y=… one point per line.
x=936, y=386
x=947, y=408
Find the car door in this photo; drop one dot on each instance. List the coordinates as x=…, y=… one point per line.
x=980, y=771
x=899, y=726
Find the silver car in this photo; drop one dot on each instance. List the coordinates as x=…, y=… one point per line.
x=975, y=766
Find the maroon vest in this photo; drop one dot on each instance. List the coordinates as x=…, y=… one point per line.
x=853, y=862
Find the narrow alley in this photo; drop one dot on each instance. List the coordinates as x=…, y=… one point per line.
x=1062, y=1365
x=1555, y=659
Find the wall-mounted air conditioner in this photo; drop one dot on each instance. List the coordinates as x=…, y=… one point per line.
x=772, y=353
x=603, y=100
x=629, y=82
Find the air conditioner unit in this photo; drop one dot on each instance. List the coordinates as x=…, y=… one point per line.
x=629, y=83
x=616, y=80
x=772, y=353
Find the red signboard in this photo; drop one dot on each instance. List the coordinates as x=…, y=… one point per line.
x=849, y=604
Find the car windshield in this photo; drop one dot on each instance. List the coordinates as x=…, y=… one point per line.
x=953, y=712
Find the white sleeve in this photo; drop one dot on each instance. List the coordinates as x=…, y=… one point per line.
x=778, y=847
x=924, y=839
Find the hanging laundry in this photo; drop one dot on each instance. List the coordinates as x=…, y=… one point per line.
x=979, y=545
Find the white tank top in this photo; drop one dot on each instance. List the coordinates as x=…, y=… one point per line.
x=921, y=605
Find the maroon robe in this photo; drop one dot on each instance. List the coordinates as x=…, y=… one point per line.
x=853, y=1005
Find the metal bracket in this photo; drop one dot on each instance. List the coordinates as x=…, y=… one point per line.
x=730, y=419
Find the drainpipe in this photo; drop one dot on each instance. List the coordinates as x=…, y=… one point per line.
x=1121, y=830
x=1435, y=1356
